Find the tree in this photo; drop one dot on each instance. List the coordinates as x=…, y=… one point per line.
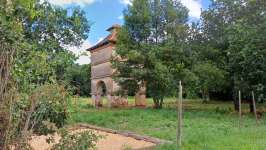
x=231, y=35
x=50, y=31
x=214, y=38
x=248, y=50
x=143, y=43
x=162, y=84
x=10, y=42
x=132, y=44
x=79, y=77
x=33, y=34
x=210, y=78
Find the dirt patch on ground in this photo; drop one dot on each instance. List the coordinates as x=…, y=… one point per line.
x=110, y=141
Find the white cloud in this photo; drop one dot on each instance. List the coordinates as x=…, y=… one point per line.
x=126, y=2
x=78, y=51
x=194, y=7
x=68, y=2
x=84, y=60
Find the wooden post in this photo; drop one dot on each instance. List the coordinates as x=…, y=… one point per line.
x=254, y=106
x=239, y=106
x=179, y=126
x=75, y=101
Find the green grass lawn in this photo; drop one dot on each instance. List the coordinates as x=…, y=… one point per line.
x=213, y=126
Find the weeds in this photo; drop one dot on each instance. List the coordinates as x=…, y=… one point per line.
x=206, y=126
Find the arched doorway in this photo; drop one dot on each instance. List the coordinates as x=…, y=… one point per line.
x=101, y=88
x=101, y=94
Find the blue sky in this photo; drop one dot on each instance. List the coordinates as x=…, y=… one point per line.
x=104, y=13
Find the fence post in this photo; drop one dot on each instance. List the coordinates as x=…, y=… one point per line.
x=239, y=106
x=254, y=106
x=179, y=126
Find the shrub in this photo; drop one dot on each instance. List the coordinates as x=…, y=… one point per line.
x=50, y=104
x=78, y=77
x=42, y=111
x=78, y=141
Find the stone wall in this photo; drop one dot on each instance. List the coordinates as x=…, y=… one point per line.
x=102, y=55
x=101, y=70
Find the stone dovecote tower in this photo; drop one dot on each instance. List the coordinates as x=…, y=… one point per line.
x=102, y=83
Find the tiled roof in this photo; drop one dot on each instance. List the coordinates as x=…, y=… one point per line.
x=115, y=26
x=111, y=38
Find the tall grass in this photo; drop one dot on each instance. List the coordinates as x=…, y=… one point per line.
x=206, y=126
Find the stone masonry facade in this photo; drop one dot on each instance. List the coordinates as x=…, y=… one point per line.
x=102, y=83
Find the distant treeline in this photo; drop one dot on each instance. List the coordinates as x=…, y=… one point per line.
x=215, y=57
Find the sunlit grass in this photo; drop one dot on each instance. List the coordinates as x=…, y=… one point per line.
x=206, y=126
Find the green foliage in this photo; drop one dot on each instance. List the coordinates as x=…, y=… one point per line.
x=42, y=111
x=78, y=76
x=162, y=84
x=47, y=104
x=33, y=70
x=76, y=141
x=33, y=42
x=210, y=78
x=47, y=32
x=247, y=50
x=61, y=61
x=10, y=41
x=145, y=42
x=52, y=27
x=51, y=102
x=230, y=37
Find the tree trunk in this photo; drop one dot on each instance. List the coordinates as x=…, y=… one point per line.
x=156, y=104
x=236, y=104
x=161, y=103
x=206, y=96
x=251, y=107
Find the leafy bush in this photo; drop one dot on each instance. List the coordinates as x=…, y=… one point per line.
x=78, y=76
x=210, y=79
x=42, y=111
x=51, y=101
x=78, y=141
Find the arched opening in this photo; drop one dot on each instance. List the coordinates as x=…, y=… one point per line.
x=102, y=88
x=101, y=94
